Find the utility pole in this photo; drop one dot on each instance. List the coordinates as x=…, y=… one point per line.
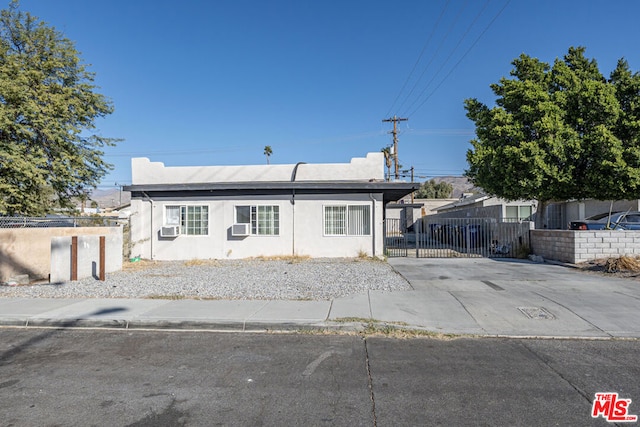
x=412, y=183
x=395, y=121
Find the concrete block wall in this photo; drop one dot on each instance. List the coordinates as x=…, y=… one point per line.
x=579, y=246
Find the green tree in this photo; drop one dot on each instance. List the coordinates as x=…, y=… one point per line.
x=434, y=190
x=49, y=154
x=558, y=132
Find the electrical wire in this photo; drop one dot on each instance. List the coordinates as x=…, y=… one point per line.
x=435, y=54
x=453, y=51
x=177, y=153
x=415, y=65
x=335, y=139
x=462, y=132
x=462, y=58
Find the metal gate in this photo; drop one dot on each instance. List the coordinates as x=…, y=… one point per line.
x=457, y=237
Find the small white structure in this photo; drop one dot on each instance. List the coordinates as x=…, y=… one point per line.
x=216, y=212
x=484, y=206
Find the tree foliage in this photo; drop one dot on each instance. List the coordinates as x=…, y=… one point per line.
x=49, y=153
x=559, y=132
x=434, y=190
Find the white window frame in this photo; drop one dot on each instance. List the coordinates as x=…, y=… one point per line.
x=347, y=228
x=264, y=220
x=201, y=224
x=519, y=209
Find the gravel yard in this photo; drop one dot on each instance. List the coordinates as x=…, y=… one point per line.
x=295, y=279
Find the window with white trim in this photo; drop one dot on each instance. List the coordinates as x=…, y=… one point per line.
x=264, y=220
x=519, y=213
x=192, y=219
x=347, y=220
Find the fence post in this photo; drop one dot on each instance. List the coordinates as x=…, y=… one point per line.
x=417, y=226
x=102, y=258
x=74, y=258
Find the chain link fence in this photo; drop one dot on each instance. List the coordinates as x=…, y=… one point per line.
x=57, y=221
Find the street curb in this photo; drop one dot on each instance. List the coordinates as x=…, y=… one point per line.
x=77, y=323
x=179, y=325
x=378, y=329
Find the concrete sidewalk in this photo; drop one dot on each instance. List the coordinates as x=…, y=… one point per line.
x=480, y=296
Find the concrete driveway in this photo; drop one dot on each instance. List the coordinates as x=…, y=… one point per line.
x=507, y=297
x=475, y=296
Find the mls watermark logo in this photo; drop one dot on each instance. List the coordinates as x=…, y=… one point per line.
x=612, y=408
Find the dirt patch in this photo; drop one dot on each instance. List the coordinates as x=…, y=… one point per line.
x=202, y=263
x=142, y=264
x=624, y=266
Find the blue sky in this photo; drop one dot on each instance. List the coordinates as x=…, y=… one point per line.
x=214, y=82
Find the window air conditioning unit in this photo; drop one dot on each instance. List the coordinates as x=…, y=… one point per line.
x=240, y=229
x=170, y=231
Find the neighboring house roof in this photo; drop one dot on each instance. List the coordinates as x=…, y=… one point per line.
x=465, y=201
x=404, y=205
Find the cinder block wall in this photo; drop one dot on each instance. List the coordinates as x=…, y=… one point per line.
x=579, y=246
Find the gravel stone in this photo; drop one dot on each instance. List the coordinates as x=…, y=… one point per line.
x=309, y=279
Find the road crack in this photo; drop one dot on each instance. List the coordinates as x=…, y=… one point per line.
x=558, y=373
x=370, y=381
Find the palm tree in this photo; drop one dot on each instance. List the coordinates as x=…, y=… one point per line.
x=268, y=152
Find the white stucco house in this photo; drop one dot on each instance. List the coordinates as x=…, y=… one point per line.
x=224, y=212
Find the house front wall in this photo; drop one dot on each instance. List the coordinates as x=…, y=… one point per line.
x=301, y=228
x=488, y=208
x=577, y=210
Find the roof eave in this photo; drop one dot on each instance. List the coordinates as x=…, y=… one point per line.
x=391, y=190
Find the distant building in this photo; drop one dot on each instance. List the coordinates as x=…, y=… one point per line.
x=483, y=206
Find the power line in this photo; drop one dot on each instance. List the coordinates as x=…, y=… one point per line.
x=462, y=132
x=462, y=58
x=178, y=152
x=419, y=57
x=435, y=54
x=450, y=54
x=323, y=141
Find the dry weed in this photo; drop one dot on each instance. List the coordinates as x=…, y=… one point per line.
x=291, y=259
x=622, y=264
x=143, y=264
x=202, y=262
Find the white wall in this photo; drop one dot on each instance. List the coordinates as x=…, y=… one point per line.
x=301, y=230
x=140, y=228
x=88, y=256
x=28, y=250
x=368, y=168
x=583, y=209
x=430, y=204
x=309, y=231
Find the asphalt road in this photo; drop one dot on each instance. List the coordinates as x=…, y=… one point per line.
x=143, y=378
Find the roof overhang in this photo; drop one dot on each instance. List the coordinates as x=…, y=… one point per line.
x=404, y=205
x=463, y=202
x=392, y=191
